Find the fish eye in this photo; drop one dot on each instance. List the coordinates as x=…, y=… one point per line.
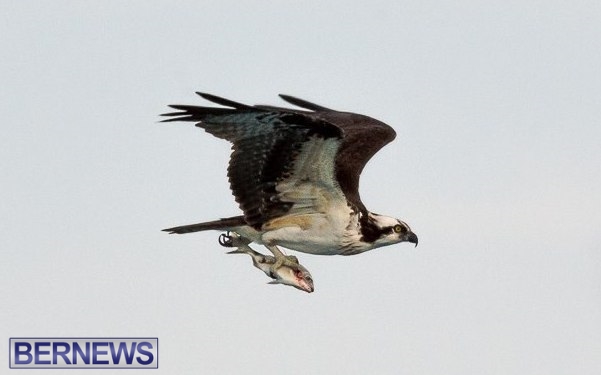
x=398, y=228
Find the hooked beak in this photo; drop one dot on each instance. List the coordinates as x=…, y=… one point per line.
x=411, y=237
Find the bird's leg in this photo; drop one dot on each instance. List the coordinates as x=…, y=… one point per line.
x=281, y=259
x=280, y=255
x=232, y=239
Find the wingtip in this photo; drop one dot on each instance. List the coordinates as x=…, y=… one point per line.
x=173, y=116
x=203, y=95
x=222, y=101
x=286, y=97
x=176, y=119
x=210, y=97
x=303, y=103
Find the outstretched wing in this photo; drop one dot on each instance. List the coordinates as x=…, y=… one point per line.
x=268, y=148
x=363, y=136
x=283, y=159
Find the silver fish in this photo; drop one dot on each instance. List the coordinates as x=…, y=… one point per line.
x=288, y=271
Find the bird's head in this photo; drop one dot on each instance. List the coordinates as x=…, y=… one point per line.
x=385, y=230
x=295, y=275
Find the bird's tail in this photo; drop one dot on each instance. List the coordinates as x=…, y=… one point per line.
x=221, y=224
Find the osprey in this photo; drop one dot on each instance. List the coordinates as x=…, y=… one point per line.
x=295, y=175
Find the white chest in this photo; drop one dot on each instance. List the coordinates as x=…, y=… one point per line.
x=324, y=233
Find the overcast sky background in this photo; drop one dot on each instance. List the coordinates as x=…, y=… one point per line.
x=496, y=166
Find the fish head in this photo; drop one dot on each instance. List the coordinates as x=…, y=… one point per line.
x=296, y=276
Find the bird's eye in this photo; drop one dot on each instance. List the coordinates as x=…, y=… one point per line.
x=398, y=228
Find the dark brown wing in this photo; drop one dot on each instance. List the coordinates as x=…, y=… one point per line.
x=363, y=136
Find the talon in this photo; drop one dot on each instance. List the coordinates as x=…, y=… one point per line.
x=225, y=239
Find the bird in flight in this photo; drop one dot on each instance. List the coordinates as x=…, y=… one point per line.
x=295, y=175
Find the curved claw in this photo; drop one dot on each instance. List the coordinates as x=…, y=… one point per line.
x=225, y=239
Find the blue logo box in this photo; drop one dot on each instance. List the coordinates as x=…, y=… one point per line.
x=84, y=353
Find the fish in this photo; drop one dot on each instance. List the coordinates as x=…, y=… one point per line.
x=288, y=271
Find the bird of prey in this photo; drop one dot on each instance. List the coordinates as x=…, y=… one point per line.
x=295, y=175
x=292, y=273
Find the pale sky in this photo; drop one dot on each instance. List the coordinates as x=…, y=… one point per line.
x=496, y=166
